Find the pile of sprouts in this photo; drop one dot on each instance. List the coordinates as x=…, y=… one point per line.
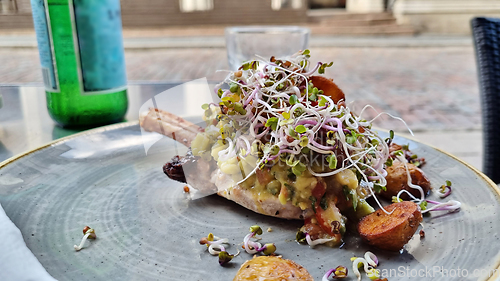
x=271, y=108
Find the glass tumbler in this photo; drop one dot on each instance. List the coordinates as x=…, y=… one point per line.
x=246, y=42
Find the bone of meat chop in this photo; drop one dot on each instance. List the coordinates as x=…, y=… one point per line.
x=170, y=125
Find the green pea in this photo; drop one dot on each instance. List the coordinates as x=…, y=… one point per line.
x=274, y=187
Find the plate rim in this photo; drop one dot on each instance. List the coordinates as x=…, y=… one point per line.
x=492, y=185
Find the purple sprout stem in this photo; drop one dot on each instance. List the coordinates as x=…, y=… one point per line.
x=252, y=96
x=308, y=122
x=448, y=192
x=262, y=134
x=327, y=274
x=282, y=150
x=273, y=157
x=320, y=146
x=446, y=208
x=330, y=128
x=227, y=92
x=313, y=70
x=261, y=248
x=339, y=125
x=247, y=241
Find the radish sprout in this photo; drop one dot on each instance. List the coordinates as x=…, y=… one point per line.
x=88, y=233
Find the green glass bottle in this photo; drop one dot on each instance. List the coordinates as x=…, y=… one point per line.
x=83, y=65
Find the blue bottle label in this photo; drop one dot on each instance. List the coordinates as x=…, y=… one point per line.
x=100, y=45
x=43, y=37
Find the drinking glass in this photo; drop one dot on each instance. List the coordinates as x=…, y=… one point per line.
x=245, y=42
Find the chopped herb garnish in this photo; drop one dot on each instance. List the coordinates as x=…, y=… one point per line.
x=322, y=101
x=332, y=161
x=313, y=94
x=378, y=188
x=445, y=190
x=351, y=139
x=291, y=191
x=321, y=69
x=233, y=87
x=272, y=122
x=323, y=203
x=423, y=205
x=304, y=141
x=398, y=153
x=256, y=229
x=396, y=199
x=269, y=248
x=300, y=237
x=300, y=129
x=313, y=203
x=390, y=138
x=298, y=169
x=225, y=257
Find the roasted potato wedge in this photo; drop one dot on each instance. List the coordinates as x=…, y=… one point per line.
x=329, y=88
x=391, y=231
x=397, y=180
x=272, y=268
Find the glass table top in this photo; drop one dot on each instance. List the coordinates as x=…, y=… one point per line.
x=25, y=123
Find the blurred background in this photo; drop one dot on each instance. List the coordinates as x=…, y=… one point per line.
x=411, y=58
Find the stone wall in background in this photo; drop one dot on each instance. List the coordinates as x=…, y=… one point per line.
x=163, y=13
x=365, y=6
x=425, y=16
x=23, y=6
x=443, y=16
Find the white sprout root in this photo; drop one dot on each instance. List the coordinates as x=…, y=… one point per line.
x=251, y=246
x=355, y=269
x=313, y=243
x=370, y=262
x=371, y=259
x=79, y=247
x=215, y=247
x=451, y=205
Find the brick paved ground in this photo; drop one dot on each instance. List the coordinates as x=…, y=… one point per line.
x=431, y=88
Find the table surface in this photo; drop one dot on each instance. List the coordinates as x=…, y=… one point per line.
x=25, y=123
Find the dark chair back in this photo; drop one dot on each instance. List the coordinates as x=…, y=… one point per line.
x=486, y=34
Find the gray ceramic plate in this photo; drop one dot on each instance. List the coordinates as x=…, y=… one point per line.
x=148, y=230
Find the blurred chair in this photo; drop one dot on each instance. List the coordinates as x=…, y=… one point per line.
x=486, y=34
